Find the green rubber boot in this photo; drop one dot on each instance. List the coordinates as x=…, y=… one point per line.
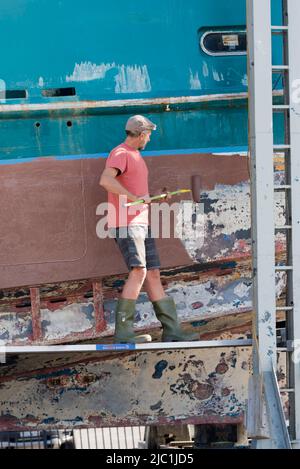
x=124, y=333
x=165, y=310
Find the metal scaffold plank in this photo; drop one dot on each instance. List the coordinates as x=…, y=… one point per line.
x=125, y=347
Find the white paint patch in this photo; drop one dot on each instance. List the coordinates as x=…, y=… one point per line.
x=132, y=79
x=245, y=80
x=190, y=226
x=214, y=300
x=88, y=71
x=41, y=82
x=127, y=78
x=242, y=290
x=240, y=153
x=232, y=208
x=280, y=278
x=68, y=320
x=216, y=75
x=195, y=83
x=2, y=89
x=13, y=327
x=231, y=211
x=205, y=70
x=280, y=218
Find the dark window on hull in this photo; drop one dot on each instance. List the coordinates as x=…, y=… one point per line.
x=13, y=94
x=58, y=92
x=224, y=42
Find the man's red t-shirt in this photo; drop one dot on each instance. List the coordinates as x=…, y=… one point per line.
x=134, y=177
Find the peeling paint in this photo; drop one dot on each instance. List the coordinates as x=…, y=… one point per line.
x=216, y=75
x=124, y=78
x=196, y=386
x=132, y=79
x=195, y=83
x=159, y=368
x=224, y=226
x=205, y=69
x=87, y=71
x=266, y=317
x=41, y=82
x=73, y=318
x=15, y=328
x=189, y=388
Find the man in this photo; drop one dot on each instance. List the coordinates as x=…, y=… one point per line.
x=126, y=180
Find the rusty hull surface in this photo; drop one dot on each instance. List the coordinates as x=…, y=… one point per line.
x=70, y=297
x=147, y=388
x=217, y=291
x=74, y=278
x=49, y=220
x=207, y=386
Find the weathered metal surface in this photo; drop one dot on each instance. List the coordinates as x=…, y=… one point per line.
x=68, y=312
x=149, y=388
x=121, y=103
x=213, y=295
x=144, y=388
x=36, y=314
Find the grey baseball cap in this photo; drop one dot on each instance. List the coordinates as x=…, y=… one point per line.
x=139, y=124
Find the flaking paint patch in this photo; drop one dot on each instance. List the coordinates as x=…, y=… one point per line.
x=73, y=318
x=124, y=78
x=216, y=75
x=242, y=289
x=231, y=210
x=199, y=300
x=245, y=80
x=88, y=71
x=15, y=327
x=202, y=385
x=132, y=79
x=214, y=298
x=41, y=82
x=64, y=402
x=205, y=70
x=159, y=369
x=223, y=224
x=195, y=83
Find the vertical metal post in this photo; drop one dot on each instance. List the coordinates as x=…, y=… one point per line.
x=293, y=9
x=262, y=182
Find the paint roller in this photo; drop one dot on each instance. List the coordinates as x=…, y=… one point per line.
x=196, y=192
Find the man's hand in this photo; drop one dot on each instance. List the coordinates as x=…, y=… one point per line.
x=146, y=198
x=168, y=196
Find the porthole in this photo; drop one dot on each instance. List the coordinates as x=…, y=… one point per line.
x=224, y=43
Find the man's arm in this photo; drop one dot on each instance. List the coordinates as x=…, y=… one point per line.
x=111, y=184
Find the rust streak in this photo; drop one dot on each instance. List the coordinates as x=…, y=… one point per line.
x=36, y=313
x=98, y=305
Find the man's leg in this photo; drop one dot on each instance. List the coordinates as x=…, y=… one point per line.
x=134, y=283
x=165, y=310
x=132, y=248
x=153, y=285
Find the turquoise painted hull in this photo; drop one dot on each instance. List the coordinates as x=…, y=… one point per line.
x=120, y=51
